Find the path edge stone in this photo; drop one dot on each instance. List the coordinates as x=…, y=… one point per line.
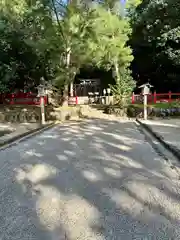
x=158, y=137
x=24, y=136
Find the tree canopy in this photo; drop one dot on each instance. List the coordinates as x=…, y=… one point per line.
x=156, y=43
x=54, y=39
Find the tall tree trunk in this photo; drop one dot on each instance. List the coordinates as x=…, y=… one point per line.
x=71, y=83
x=117, y=71
x=71, y=89
x=66, y=86
x=65, y=95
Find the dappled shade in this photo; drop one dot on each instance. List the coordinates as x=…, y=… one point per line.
x=93, y=179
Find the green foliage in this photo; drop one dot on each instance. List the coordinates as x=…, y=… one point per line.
x=123, y=88
x=22, y=59
x=109, y=48
x=76, y=30
x=52, y=39
x=156, y=42
x=109, y=44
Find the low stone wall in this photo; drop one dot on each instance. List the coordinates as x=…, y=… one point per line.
x=153, y=112
x=20, y=113
x=32, y=114
x=63, y=113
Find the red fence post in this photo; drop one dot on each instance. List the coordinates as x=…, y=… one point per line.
x=155, y=97
x=169, y=96
x=12, y=98
x=133, y=98
x=45, y=99
x=76, y=100
x=151, y=98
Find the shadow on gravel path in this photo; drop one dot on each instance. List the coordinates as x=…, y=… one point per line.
x=95, y=179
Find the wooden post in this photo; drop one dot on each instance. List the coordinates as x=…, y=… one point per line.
x=76, y=100
x=12, y=98
x=155, y=97
x=145, y=106
x=133, y=98
x=42, y=110
x=169, y=96
x=71, y=90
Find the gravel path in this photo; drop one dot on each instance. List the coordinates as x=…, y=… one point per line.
x=95, y=179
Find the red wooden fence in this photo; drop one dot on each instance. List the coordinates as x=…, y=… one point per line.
x=33, y=99
x=28, y=99
x=73, y=100
x=22, y=99
x=154, y=98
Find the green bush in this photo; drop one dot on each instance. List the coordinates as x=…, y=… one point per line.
x=116, y=110
x=122, y=91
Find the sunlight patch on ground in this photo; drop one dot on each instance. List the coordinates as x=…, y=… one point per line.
x=40, y=172
x=92, y=127
x=124, y=200
x=74, y=143
x=70, y=153
x=49, y=136
x=20, y=175
x=155, y=196
x=124, y=148
x=49, y=207
x=118, y=146
x=56, y=210
x=123, y=138
x=82, y=214
x=31, y=153
x=36, y=173
x=62, y=157
x=98, y=140
x=161, y=124
x=75, y=131
x=112, y=172
x=92, y=176
x=41, y=143
x=171, y=173
x=157, y=174
x=134, y=164
x=88, y=133
x=65, y=139
x=127, y=161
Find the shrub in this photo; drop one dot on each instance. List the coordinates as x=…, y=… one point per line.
x=123, y=88
x=116, y=110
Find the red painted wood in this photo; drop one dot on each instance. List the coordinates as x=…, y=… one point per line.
x=157, y=97
x=22, y=99
x=133, y=98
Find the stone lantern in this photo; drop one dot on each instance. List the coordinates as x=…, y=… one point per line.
x=145, y=89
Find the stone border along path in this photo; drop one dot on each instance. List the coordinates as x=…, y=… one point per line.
x=15, y=137
x=171, y=148
x=160, y=146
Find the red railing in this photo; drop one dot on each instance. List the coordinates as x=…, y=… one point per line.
x=154, y=98
x=22, y=99
x=73, y=100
